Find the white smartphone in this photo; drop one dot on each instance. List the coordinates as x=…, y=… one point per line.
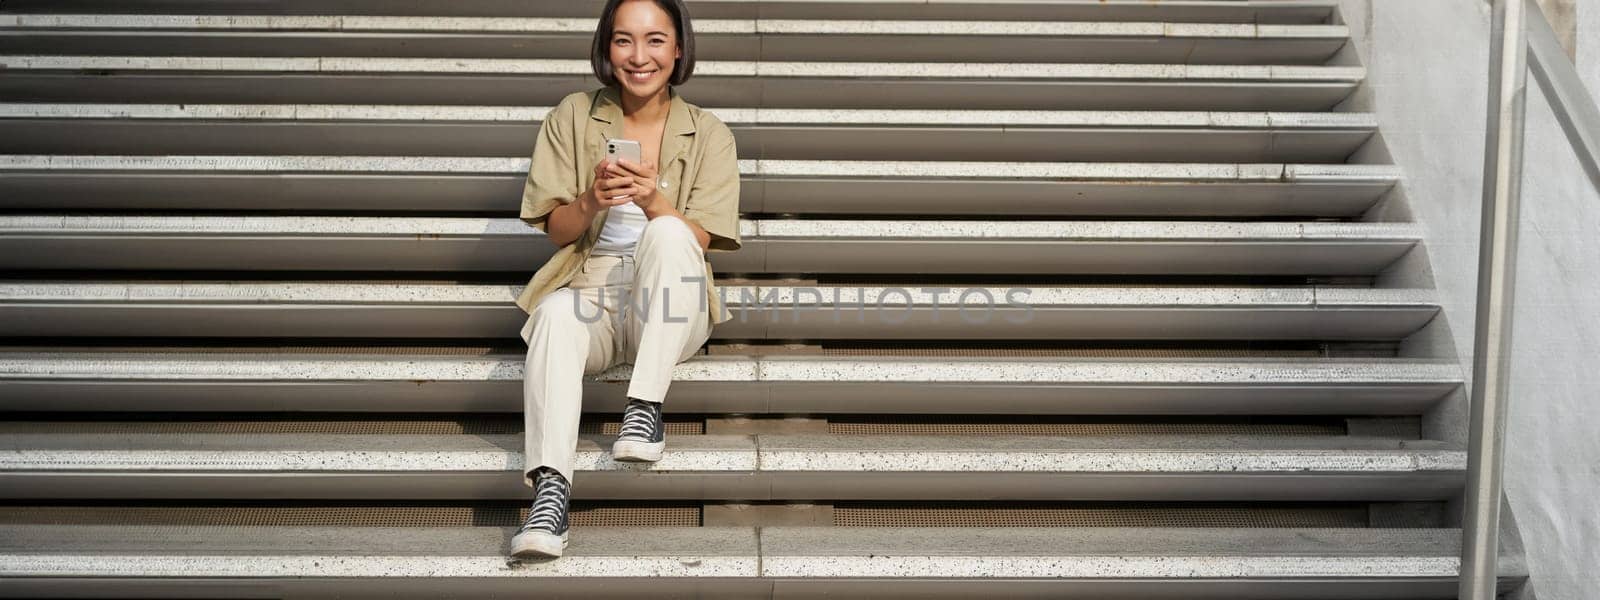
x=619, y=149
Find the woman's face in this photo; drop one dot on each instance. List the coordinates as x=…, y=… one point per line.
x=644, y=47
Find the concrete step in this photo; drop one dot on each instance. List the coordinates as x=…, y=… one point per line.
x=715, y=39
x=204, y=382
x=764, y=467
x=733, y=562
x=770, y=246
x=399, y=183
x=799, y=84
x=398, y=310
x=1219, y=11
x=761, y=133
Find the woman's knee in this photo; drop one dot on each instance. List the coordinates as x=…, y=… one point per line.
x=560, y=306
x=669, y=230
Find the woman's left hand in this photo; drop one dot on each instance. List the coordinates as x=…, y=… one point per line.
x=644, y=180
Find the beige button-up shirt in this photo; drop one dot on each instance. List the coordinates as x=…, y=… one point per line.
x=699, y=173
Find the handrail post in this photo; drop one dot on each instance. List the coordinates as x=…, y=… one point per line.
x=1502, y=174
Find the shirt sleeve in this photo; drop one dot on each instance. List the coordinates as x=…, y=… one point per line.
x=714, y=198
x=552, y=173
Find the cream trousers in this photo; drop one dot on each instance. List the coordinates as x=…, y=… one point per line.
x=648, y=309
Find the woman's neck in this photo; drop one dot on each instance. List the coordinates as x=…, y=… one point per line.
x=647, y=110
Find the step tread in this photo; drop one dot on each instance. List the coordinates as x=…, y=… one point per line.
x=761, y=69
x=1262, y=172
x=269, y=24
x=731, y=116
x=1229, y=11
x=772, y=454
x=818, y=552
x=423, y=294
x=291, y=367
x=751, y=229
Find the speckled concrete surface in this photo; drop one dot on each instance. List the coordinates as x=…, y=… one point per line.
x=751, y=168
x=535, y=66
x=150, y=452
x=354, y=565
x=1133, y=454
x=1109, y=371
x=755, y=230
x=1342, y=173
x=179, y=367
x=343, y=164
x=1035, y=296
x=1107, y=567
x=981, y=553
x=1173, y=542
x=1340, y=296
x=343, y=453
x=277, y=368
x=299, y=293
x=741, y=26
x=732, y=116
x=284, y=293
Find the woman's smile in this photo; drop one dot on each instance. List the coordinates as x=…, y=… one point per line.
x=643, y=48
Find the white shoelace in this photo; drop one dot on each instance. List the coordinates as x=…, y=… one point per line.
x=638, y=421
x=548, y=502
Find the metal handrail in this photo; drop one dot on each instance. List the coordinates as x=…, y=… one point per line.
x=1520, y=38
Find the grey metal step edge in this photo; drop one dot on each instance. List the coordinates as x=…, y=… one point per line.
x=1229, y=11
x=770, y=246
x=761, y=133
x=797, y=84
x=733, y=116
x=49, y=308
x=760, y=467
x=264, y=23
x=64, y=381
x=766, y=39
x=391, y=183
x=415, y=165
x=762, y=69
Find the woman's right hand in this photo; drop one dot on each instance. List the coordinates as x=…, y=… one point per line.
x=606, y=192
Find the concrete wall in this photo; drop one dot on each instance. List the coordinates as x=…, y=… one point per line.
x=1427, y=68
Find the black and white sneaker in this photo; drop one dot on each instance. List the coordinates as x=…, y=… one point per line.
x=545, y=531
x=641, y=438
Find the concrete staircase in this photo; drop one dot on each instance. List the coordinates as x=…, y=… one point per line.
x=1055, y=298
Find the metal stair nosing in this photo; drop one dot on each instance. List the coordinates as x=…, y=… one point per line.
x=731, y=83
x=59, y=242
x=208, y=383
x=45, y=182
x=234, y=309
x=1151, y=136
x=765, y=467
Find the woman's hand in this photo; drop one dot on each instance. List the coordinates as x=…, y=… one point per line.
x=609, y=189
x=642, y=179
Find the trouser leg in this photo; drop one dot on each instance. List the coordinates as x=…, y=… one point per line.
x=569, y=335
x=669, y=319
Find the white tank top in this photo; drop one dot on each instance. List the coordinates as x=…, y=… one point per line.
x=619, y=236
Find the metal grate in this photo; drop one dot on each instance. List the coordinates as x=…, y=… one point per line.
x=1077, y=352
x=236, y=347
x=316, y=424
x=1076, y=426
x=672, y=427
x=385, y=515
x=1037, y=514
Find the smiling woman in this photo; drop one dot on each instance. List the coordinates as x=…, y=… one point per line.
x=632, y=237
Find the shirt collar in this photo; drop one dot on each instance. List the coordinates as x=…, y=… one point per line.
x=608, y=109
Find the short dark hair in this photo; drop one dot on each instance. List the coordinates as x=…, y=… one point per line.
x=600, y=51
